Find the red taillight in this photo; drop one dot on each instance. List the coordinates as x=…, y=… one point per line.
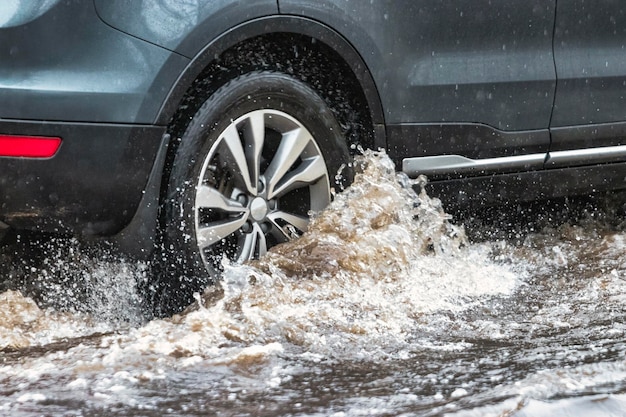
x=29, y=146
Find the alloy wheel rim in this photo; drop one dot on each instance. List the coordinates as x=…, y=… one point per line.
x=257, y=186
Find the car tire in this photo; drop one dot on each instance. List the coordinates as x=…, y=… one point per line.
x=261, y=154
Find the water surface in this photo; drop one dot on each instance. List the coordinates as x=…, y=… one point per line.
x=384, y=308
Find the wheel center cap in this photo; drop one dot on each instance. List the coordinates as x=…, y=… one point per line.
x=258, y=209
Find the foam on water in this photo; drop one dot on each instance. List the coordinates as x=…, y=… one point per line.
x=358, y=283
x=381, y=278
x=368, y=270
x=23, y=324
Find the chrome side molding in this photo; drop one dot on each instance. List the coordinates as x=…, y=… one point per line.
x=586, y=156
x=457, y=164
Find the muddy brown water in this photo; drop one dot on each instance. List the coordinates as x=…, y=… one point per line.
x=384, y=308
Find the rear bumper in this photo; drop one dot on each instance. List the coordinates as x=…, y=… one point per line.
x=92, y=186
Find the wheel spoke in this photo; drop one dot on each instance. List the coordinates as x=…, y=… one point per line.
x=233, y=142
x=309, y=172
x=236, y=178
x=255, y=244
x=290, y=149
x=281, y=220
x=216, y=231
x=254, y=139
x=209, y=197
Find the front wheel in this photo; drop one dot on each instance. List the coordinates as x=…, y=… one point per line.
x=257, y=158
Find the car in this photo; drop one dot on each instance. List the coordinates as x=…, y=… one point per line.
x=189, y=130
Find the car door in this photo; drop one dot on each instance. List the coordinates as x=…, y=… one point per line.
x=590, y=102
x=474, y=79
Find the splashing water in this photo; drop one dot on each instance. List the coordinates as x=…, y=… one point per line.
x=369, y=267
x=382, y=308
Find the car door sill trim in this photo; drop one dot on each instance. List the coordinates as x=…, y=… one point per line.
x=457, y=164
x=586, y=156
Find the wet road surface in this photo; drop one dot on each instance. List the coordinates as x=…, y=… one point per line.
x=385, y=308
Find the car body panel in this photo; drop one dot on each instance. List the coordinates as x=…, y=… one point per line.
x=590, y=52
x=277, y=24
x=67, y=65
x=587, y=136
x=511, y=188
x=453, y=61
x=181, y=26
x=20, y=12
x=471, y=140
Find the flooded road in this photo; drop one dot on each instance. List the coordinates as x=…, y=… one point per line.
x=384, y=308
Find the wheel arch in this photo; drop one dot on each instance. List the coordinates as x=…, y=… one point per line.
x=228, y=56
